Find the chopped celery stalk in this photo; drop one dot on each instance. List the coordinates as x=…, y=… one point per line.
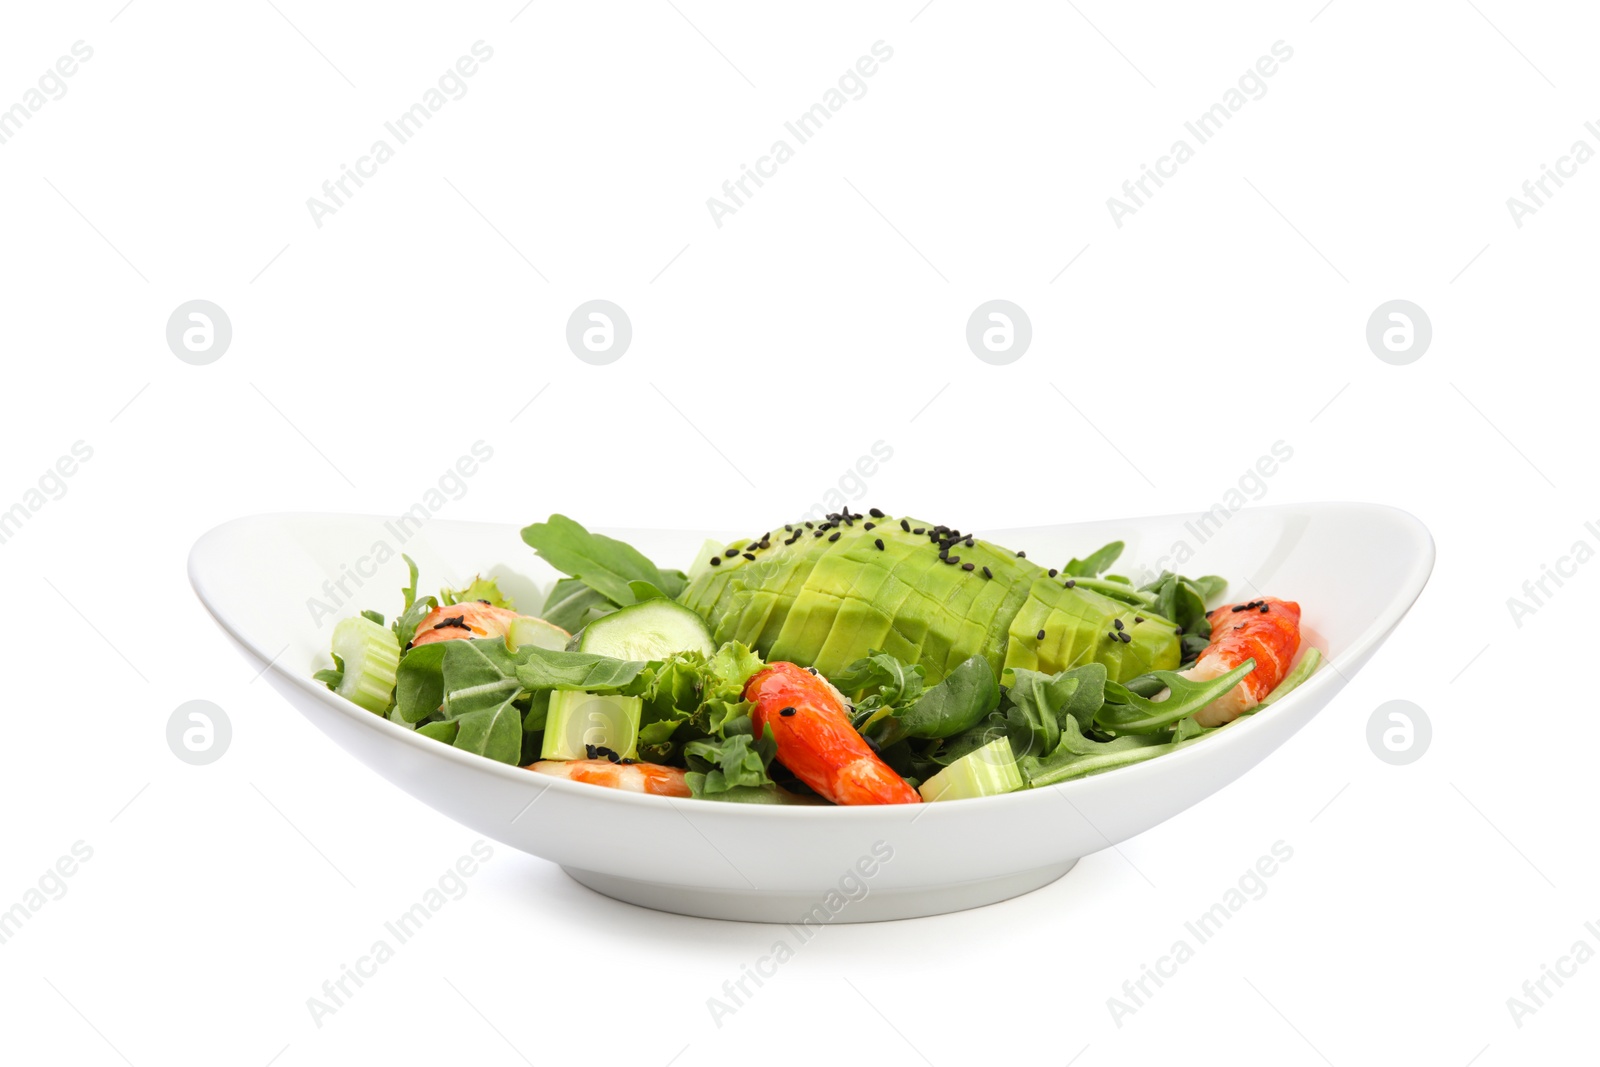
x=526, y=630
x=578, y=721
x=371, y=655
x=1310, y=660
x=983, y=772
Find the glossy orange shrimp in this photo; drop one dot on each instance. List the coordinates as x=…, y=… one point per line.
x=453, y=622
x=633, y=777
x=817, y=742
x=1266, y=630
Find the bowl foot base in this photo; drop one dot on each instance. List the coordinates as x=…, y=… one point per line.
x=811, y=907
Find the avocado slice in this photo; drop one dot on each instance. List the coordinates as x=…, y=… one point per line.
x=1078, y=625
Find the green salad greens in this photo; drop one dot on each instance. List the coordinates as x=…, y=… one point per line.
x=964, y=667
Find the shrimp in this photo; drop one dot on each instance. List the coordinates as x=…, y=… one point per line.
x=632, y=777
x=473, y=618
x=817, y=742
x=1266, y=630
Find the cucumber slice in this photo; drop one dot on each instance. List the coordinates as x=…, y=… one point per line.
x=983, y=772
x=577, y=720
x=649, y=630
x=526, y=630
x=371, y=656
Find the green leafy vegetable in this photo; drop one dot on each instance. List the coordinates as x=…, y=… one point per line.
x=542, y=668
x=572, y=605
x=604, y=564
x=737, y=759
x=955, y=705
x=1094, y=563
x=1128, y=713
x=419, y=683
x=1040, y=705
x=479, y=589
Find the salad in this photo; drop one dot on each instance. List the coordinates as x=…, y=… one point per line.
x=860, y=659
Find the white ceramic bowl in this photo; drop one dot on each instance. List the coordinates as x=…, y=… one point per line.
x=1355, y=569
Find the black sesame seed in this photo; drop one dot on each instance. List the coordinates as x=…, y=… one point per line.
x=1070, y=583
x=967, y=566
x=589, y=750
x=1138, y=619
x=868, y=525
x=1116, y=623
x=1263, y=609
x=731, y=553
x=1022, y=555
x=875, y=513
x=906, y=526
x=786, y=712
x=1125, y=638
x=812, y=671
x=808, y=524
x=716, y=561
x=952, y=559
x=1111, y=634
x=971, y=543
x=749, y=555
x=1039, y=636
x=987, y=573
x=1238, y=608
x=1178, y=631
x=918, y=530
x=879, y=542
x=835, y=535
x=816, y=533
x=1053, y=572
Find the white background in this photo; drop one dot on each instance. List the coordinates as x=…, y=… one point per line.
x=768, y=355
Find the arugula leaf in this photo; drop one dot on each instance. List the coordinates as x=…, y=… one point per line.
x=572, y=605
x=1126, y=712
x=332, y=678
x=479, y=675
x=643, y=591
x=409, y=591
x=542, y=668
x=879, y=683
x=1076, y=756
x=955, y=705
x=405, y=627
x=600, y=562
x=373, y=616
x=495, y=732
x=1092, y=565
x=419, y=682
x=1041, y=704
x=444, y=730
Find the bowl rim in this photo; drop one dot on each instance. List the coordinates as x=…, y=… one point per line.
x=1403, y=597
